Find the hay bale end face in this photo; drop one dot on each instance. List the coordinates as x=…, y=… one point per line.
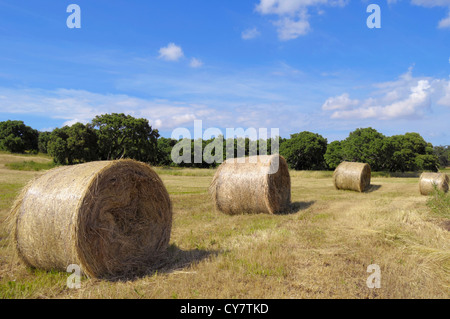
x=261, y=184
x=352, y=176
x=111, y=218
x=428, y=181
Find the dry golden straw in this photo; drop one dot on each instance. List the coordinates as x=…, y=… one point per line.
x=112, y=218
x=428, y=181
x=260, y=185
x=352, y=176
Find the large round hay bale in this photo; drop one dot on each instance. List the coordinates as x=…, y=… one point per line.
x=111, y=218
x=352, y=176
x=428, y=181
x=261, y=184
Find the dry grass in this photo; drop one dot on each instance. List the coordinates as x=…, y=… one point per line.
x=321, y=249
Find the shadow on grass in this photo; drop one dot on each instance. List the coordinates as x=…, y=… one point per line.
x=295, y=207
x=174, y=259
x=372, y=188
x=396, y=174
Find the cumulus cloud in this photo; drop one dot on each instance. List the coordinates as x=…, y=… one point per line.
x=445, y=99
x=195, y=63
x=289, y=29
x=250, y=34
x=293, y=18
x=171, y=52
x=407, y=97
x=291, y=7
x=341, y=102
x=445, y=23
x=411, y=106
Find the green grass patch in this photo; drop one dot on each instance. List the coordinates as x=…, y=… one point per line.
x=439, y=203
x=30, y=166
x=8, y=193
x=36, y=284
x=179, y=171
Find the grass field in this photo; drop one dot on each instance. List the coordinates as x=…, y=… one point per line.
x=321, y=249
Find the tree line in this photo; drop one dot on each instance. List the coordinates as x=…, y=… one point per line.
x=115, y=136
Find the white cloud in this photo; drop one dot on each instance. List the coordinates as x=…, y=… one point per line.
x=171, y=52
x=250, y=34
x=74, y=106
x=287, y=7
x=445, y=100
x=195, y=63
x=341, y=102
x=293, y=15
x=289, y=29
x=431, y=3
x=74, y=121
x=407, y=97
x=445, y=23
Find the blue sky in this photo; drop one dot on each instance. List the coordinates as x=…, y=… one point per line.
x=295, y=65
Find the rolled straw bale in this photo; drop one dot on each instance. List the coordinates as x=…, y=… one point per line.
x=428, y=181
x=352, y=176
x=111, y=218
x=261, y=184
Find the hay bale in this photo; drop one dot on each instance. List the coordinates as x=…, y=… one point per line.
x=428, y=181
x=260, y=185
x=352, y=176
x=111, y=218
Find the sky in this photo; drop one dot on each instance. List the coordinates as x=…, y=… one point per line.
x=295, y=65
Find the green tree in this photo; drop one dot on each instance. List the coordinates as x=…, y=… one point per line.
x=82, y=143
x=43, y=139
x=74, y=144
x=57, y=145
x=398, y=156
x=443, y=155
x=164, y=149
x=364, y=145
x=304, y=151
x=408, y=152
x=16, y=137
x=123, y=136
x=333, y=156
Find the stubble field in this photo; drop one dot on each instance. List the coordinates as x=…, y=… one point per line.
x=320, y=249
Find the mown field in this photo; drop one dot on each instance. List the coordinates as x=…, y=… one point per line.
x=320, y=249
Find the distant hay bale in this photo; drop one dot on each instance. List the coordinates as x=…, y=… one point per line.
x=260, y=185
x=112, y=218
x=352, y=176
x=428, y=181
